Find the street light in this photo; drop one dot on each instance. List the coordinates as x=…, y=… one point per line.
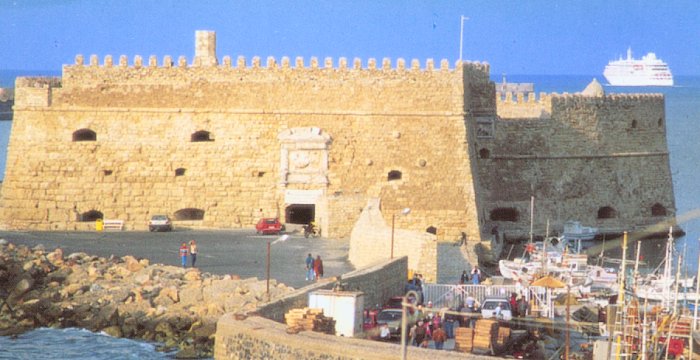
x=404, y=212
x=279, y=239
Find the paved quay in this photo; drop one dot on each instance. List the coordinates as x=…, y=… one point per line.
x=238, y=251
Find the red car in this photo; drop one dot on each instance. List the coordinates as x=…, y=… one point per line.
x=268, y=226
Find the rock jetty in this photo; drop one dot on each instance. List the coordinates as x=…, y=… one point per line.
x=123, y=297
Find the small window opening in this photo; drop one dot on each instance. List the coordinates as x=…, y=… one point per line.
x=91, y=215
x=505, y=214
x=660, y=123
x=634, y=124
x=84, y=135
x=107, y=172
x=189, y=214
x=431, y=230
x=179, y=171
x=658, y=210
x=394, y=175
x=201, y=135
x=484, y=153
x=606, y=212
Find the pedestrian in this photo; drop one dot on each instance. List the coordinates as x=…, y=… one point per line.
x=462, y=239
x=183, y=254
x=464, y=278
x=310, y=268
x=384, y=332
x=420, y=333
x=439, y=337
x=318, y=267
x=193, y=251
x=450, y=322
x=476, y=275
x=513, y=304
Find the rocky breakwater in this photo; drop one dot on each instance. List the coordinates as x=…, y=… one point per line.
x=123, y=297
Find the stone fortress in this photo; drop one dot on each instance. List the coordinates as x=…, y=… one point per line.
x=219, y=144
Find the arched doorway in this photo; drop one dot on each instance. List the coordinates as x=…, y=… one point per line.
x=300, y=213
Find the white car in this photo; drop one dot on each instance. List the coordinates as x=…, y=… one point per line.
x=160, y=222
x=496, y=308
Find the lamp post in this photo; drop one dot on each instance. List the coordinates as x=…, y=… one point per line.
x=405, y=211
x=267, y=264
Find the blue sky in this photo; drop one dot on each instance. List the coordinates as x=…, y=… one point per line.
x=515, y=37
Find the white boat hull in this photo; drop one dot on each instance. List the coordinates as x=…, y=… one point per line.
x=647, y=71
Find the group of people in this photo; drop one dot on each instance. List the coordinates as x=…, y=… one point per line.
x=474, y=276
x=433, y=325
x=190, y=250
x=314, y=267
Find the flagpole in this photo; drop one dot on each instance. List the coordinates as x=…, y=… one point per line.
x=461, y=35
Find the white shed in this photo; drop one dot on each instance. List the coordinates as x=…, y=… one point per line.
x=345, y=307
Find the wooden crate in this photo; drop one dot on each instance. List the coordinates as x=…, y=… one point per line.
x=307, y=319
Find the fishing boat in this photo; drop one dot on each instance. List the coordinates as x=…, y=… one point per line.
x=554, y=256
x=574, y=230
x=647, y=71
x=665, y=287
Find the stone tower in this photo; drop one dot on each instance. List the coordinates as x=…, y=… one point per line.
x=205, y=48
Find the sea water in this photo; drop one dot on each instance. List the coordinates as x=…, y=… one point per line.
x=683, y=130
x=72, y=343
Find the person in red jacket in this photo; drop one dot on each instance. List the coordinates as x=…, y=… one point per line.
x=318, y=267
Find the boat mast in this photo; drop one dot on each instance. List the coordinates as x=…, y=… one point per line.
x=667, y=271
x=532, y=216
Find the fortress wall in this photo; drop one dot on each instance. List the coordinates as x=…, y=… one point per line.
x=592, y=153
x=378, y=121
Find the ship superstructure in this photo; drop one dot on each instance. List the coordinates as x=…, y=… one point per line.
x=647, y=71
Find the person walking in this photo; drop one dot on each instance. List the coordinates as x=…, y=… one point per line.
x=310, y=275
x=318, y=267
x=462, y=239
x=439, y=337
x=193, y=251
x=183, y=254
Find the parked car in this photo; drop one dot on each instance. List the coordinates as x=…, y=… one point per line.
x=391, y=317
x=268, y=226
x=496, y=307
x=160, y=222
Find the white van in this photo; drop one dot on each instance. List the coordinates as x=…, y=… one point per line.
x=496, y=308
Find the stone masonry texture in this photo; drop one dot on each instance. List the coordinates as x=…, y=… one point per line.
x=217, y=144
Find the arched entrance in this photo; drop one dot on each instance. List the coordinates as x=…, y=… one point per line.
x=300, y=213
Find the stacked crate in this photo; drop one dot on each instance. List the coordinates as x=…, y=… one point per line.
x=503, y=336
x=485, y=333
x=463, y=339
x=307, y=319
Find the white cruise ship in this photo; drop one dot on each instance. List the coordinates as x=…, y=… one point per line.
x=647, y=71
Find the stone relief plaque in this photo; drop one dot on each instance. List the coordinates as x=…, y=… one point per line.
x=304, y=156
x=485, y=127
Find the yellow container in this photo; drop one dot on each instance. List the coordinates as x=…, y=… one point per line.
x=99, y=225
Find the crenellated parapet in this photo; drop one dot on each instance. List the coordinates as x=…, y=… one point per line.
x=271, y=63
x=524, y=105
x=542, y=106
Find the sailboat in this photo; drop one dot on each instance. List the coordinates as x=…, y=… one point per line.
x=665, y=288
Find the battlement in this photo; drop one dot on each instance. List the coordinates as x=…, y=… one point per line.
x=529, y=105
x=284, y=63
